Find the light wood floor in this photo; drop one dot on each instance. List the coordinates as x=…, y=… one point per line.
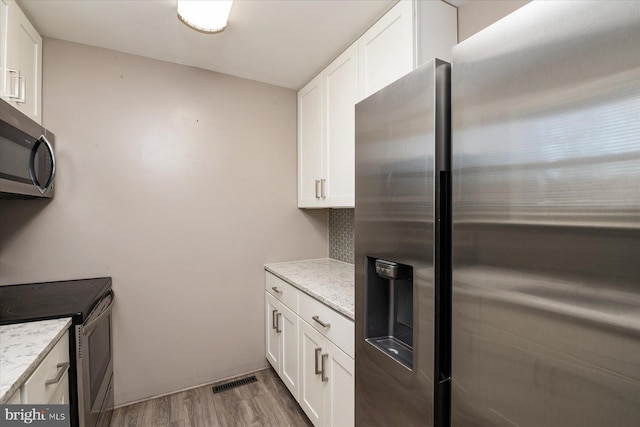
x=266, y=402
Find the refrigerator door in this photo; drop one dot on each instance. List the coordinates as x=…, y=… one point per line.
x=546, y=218
x=401, y=149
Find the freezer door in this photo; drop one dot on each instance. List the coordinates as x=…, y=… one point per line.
x=401, y=149
x=546, y=218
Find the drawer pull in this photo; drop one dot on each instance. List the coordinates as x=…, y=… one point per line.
x=62, y=369
x=276, y=290
x=324, y=325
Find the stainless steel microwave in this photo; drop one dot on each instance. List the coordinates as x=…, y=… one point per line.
x=27, y=159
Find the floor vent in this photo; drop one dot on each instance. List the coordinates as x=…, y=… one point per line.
x=233, y=384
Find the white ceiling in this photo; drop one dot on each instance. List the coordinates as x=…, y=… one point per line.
x=281, y=42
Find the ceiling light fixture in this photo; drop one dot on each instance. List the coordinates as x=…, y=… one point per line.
x=208, y=17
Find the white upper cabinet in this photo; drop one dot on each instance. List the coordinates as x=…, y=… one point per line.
x=326, y=135
x=386, y=49
x=340, y=81
x=437, y=30
x=326, y=105
x=20, y=61
x=310, y=144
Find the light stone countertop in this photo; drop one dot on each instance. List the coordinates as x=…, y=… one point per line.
x=327, y=280
x=22, y=347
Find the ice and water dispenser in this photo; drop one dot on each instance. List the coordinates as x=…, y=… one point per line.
x=389, y=309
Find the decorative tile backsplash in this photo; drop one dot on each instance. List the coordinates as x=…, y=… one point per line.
x=342, y=235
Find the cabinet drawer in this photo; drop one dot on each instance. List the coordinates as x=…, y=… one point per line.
x=340, y=330
x=282, y=291
x=54, y=366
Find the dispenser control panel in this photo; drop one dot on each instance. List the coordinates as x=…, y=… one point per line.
x=392, y=270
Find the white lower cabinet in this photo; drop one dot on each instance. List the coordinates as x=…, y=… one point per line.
x=326, y=380
x=339, y=405
x=313, y=360
x=49, y=383
x=282, y=342
x=311, y=375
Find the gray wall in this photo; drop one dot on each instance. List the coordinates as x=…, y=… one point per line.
x=475, y=15
x=178, y=182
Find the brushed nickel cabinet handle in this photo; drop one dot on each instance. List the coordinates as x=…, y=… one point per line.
x=276, y=290
x=278, y=330
x=324, y=359
x=273, y=319
x=317, y=370
x=62, y=369
x=22, y=89
x=318, y=189
x=14, y=83
x=324, y=325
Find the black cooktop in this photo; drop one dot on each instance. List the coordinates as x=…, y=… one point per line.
x=51, y=300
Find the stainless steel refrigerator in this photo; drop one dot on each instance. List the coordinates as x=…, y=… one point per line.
x=402, y=167
x=546, y=218
x=544, y=320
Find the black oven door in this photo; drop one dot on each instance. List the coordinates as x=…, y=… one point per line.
x=27, y=164
x=95, y=366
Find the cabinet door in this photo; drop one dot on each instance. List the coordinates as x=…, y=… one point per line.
x=289, y=349
x=437, y=30
x=50, y=379
x=340, y=81
x=61, y=395
x=339, y=392
x=24, y=54
x=311, y=386
x=386, y=50
x=5, y=81
x=272, y=337
x=310, y=139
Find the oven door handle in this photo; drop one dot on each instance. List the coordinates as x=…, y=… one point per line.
x=92, y=325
